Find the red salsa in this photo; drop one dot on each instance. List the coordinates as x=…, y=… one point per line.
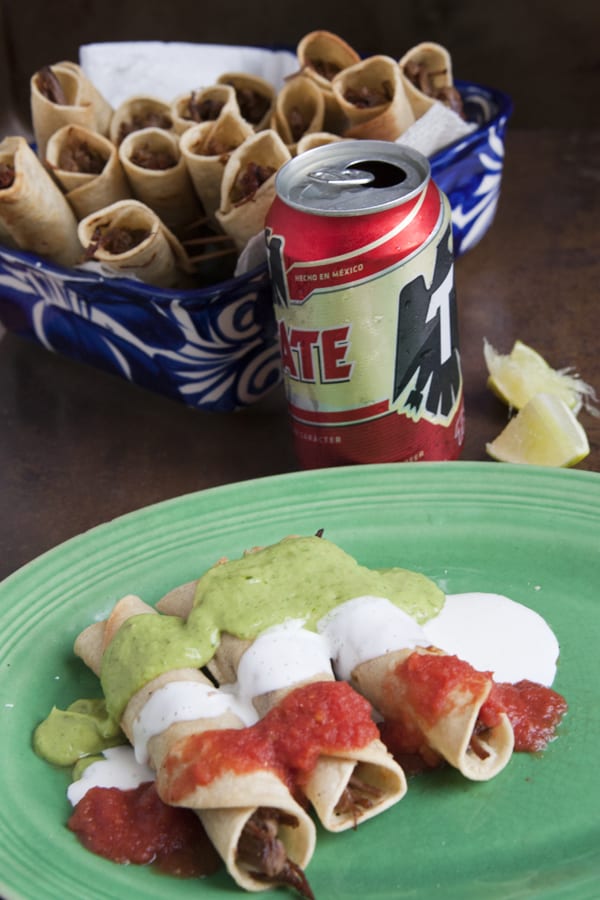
x=317, y=718
x=534, y=711
x=135, y=826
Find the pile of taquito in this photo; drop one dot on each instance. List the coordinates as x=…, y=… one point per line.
x=202, y=166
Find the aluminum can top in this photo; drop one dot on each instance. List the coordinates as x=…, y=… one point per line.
x=352, y=178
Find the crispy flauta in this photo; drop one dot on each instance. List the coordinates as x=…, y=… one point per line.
x=322, y=55
x=255, y=97
x=158, y=175
x=451, y=728
x=137, y=112
x=205, y=104
x=131, y=240
x=248, y=186
x=373, y=100
x=262, y=834
x=34, y=214
x=87, y=167
x=299, y=110
x=206, y=148
x=426, y=71
x=62, y=94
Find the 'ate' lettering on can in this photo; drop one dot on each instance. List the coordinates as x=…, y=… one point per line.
x=360, y=256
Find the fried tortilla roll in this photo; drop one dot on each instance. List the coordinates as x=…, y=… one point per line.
x=255, y=97
x=34, y=214
x=203, y=105
x=299, y=110
x=432, y=700
x=348, y=782
x=140, y=111
x=61, y=94
x=372, y=98
x=133, y=242
x=158, y=175
x=264, y=837
x=206, y=148
x=248, y=186
x=426, y=71
x=87, y=167
x=322, y=55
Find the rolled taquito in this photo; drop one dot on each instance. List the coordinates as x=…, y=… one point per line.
x=323, y=55
x=299, y=110
x=248, y=186
x=61, y=94
x=159, y=177
x=255, y=97
x=203, y=105
x=132, y=242
x=87, y=167
x=426, y=71
x=263, y=835
x=373, y=100
x=34, y=214
x=435, y=699
x=206, y=148
x=137, y=112
x=349, y=782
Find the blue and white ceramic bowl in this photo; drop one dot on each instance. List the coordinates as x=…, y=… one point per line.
x=216, y=348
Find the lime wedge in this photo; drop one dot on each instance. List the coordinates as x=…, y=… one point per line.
x=517, y=377
x=545, y=432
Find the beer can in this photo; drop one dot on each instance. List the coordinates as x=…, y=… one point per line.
x=360, y=255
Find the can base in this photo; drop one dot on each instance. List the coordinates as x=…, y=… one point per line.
x=390, y=438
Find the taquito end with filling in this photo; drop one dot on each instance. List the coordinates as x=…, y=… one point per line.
x=206, y=148
x=138, y=112
x=130, y=239
x=373, y=100
x=34, y=214
x=248, y=187
x=205, y=104
x=61, y=94
x=299, y=110
x=158, y=175
x=435, y=700
x=255, y=97
x=323, y=55
x=426, y=71
x=87, y=167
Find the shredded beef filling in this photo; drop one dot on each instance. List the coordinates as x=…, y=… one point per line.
x=356, y=797
x=115, y=240
x=253, y=105
x=206, y=110
x=78, y=156
x=263, y=853
x=325, y=68
x=7, y=176
x=249, y=181
x=365, y=97
x=147, y=158
x=424, y=80
x=297, y=123
x=49, y=85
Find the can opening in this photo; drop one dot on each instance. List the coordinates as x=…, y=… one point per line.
x=384, y=174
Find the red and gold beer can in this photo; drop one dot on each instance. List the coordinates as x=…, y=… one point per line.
x=360, y=256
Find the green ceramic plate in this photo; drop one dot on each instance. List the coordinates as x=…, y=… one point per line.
x=533, y=534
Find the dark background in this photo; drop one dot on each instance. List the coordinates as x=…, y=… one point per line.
x=544, y=54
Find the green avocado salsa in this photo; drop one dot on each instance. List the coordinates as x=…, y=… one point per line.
x=297, y=578
x=83, y=729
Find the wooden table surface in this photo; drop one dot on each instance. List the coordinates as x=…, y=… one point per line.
x=79, y=447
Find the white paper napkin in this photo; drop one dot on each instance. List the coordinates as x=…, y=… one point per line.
x=166, y=69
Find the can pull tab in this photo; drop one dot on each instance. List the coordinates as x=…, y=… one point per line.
x=342, y=177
